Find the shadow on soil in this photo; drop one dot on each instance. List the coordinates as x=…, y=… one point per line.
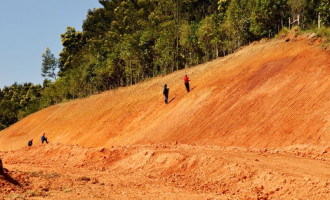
x=8, y=178
x=171, y=100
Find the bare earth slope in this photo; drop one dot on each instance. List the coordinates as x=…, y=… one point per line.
x=180, y=171
x=266, y=95
x=255, y=126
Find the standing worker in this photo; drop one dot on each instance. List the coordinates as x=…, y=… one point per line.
x=165, y=92
x=30, y=142
x=44, y=139
x=186, y=82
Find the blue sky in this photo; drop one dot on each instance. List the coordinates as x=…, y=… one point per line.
x=28, y=27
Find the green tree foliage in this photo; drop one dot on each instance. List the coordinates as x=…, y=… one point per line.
x=238, y=17
x=49, y=64
x=73, y=41
x=267, y=17
x=323, y=8
x=18, y=101
x=127, y=41
x=207, y=34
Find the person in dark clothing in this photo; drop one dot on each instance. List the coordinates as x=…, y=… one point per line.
x=165, y=93
x=30, y=142
x=186, y=82
x=44, y=139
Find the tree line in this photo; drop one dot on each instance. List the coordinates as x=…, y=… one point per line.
x=128, y=41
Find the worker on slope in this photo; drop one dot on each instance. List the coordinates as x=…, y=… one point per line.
x=165, y=92
x=43, y=138
x=186, y=82
x=30, y=142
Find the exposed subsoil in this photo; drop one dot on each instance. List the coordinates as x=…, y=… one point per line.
x=255, y=126
x=175, y=171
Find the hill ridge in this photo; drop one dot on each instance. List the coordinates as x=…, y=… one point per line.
x=267, y=94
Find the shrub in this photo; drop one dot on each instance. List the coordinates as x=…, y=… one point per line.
x=283, y=32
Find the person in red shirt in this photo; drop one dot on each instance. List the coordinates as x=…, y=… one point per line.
x=186, y=82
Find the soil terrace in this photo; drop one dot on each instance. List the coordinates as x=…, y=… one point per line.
x=255, y=126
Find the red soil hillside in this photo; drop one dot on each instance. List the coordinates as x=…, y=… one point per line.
x=269, y=94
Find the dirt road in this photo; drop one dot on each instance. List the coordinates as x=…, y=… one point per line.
x=175, y=171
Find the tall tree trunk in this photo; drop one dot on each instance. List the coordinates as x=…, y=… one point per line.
x=177, y=23
x=289, y=23
x=130, y=67
x=318, y=20
x=216, y=51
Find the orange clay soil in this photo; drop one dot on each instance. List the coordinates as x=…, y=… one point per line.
x=270, y=100
x=272, y=94
x=160, y=171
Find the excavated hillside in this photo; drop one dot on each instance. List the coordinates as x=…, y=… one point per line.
x=268, y=94
x=255, y=126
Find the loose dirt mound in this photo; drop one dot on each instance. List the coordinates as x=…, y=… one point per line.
x=174, y=171
x=270, y=94
x=8, y=184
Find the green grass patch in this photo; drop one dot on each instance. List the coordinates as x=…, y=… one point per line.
x=67, y=190
x=54, y=175
x=43, y=174
x=37, y=174
x=33, y=193
x=283, y=32
x=323, y=32
x=16, y=196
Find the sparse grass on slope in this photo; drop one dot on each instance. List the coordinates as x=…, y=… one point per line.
x=323, y=32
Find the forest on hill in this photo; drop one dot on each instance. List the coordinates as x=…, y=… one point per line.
x=127, y=41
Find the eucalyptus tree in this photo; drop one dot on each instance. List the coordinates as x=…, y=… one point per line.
x=49, y=65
